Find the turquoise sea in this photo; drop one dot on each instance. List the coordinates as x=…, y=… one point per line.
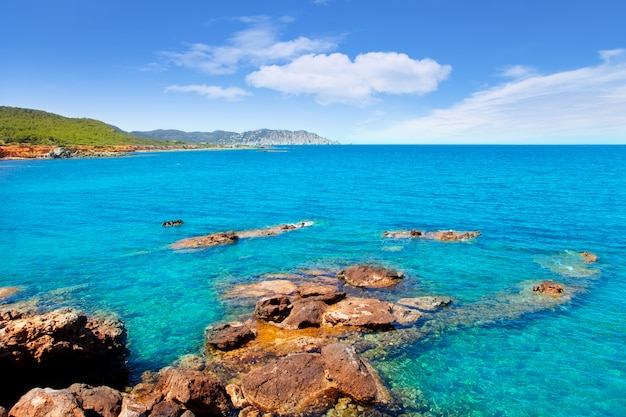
x=87, y=233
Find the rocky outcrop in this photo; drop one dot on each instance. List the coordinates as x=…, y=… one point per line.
x=25, y=151
x=551, y=288
x=441, y=235
x=193, y=390
x=222, y=238
x=310, y=382
x=273, y=309
x=172, y=223
x=79, y=400
x=214, y=239
x=589, y=257
x=360, y=312
x=58, y=348
x=370, y=276
x=229, y=336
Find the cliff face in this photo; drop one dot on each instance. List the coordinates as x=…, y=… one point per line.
x=261, y=137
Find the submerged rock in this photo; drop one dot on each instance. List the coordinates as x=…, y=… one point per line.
x=222, y=238
x=551, y=288
x=370, y=276
x=426, y=303
x=6, y=292
x=589, y=257
x=214, y=239
x=441, y=235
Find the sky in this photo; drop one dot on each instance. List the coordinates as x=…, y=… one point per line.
x=355, y=71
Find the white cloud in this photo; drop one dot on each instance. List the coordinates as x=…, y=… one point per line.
x=583, y=105
x=257, y=45
x=518, y=71
x=335, y=78
x=211, y=91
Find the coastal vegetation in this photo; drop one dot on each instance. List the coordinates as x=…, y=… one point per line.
x=20, y=126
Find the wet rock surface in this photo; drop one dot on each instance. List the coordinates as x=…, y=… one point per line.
x=426, y=303
x=551, y=288
x=222, y=238
x=229, y=336
x=370, y=276
x=440, y=235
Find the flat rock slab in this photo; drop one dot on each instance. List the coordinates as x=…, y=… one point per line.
x=426, y=303
x=231, y=335
x=370, y=276
x=362, y=312
x=222, y=238
x=440, y=235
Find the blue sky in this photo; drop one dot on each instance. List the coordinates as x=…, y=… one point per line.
x=356, y=71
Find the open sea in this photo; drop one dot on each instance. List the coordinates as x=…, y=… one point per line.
x=87, y=233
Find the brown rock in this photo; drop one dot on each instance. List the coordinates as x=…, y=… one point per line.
x=166, y=409
x=58, y=348
x=97, y=401
x=274, y=230
x=132, y=408
x=305, y=313
x=47, y=402
x=362, y=312
x=329, y=294
x=263, y=289
x=426, y=303
x=294, y=384
x=551, y=288
x=274, y=309
x=370, y=276
x=229, y=336
x=214, y=239
x=588, y=257
x=442, y=235
x=347, y=372
x=195, y=390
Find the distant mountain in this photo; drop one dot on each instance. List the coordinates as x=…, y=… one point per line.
x=261, y=137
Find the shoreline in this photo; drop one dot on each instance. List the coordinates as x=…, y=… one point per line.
x=42, y=152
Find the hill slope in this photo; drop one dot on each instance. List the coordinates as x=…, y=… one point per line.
x=36, y=127
x=261, y=137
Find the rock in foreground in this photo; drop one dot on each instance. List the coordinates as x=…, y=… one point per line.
x=310, y=382
x=58, y=348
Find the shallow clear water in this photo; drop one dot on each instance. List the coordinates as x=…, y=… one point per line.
x=87, y=233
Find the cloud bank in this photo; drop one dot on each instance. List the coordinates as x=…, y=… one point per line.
x=565, y=107
x=335, y=78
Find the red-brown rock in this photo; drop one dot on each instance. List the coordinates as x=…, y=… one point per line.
x=370, y=276
x=551, y=288
x=196, y=391
x=329, y=294
x=97, y=401
x=229, y=336
x=47, y=402
x=214, y=239
x=589, y=257
x=362, y=312
x=294, y=384
x=347, y=372
x=305, y=313
x=441, y=235
x=59, y=348
x=274, y=309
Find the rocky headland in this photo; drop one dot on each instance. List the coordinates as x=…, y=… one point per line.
x=22, y=151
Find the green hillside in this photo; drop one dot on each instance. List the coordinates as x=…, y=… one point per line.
x=35, y=127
